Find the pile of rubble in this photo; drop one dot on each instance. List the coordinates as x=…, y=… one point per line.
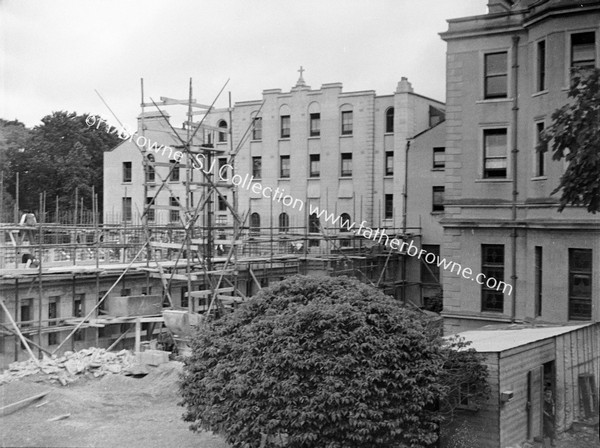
x=66, y=368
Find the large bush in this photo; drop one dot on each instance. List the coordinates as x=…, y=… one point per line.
x=325, y=362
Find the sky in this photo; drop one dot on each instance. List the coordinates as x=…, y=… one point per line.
x=55, y=54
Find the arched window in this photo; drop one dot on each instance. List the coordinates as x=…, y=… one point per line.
x=389, y=120
x=314, y=225
x=222, y=135
x=284, y=222
x=255, y=222
x=345, y=222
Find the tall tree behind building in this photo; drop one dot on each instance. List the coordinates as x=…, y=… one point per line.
x=61, y=156
x=575, y=136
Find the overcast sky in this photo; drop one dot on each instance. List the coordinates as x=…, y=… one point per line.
x=56, y=53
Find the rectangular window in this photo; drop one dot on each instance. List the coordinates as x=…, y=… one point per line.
x=25, y=311
x=495, y=152
x=389, y=163
x=315, y=125
x=222, y=201
x=150, y=173
x=174, y=170
x=492, y=267
x=347, y=122
x=315, y=165
x=346, y=165
x=541, y=66
x=126, y=209
x=53, y=305
x=126, y=171
x=257, y=167
x=174, y=214
x=583, y=50
x=438, y=199
x=284, y=166
x=496, y=75
x=257, y=128
x=78, y=304
x=439, y=158
x=389, y=206
x=580, y=284
x=430, y=272
x=150, y=213
x=538, y=282
x=540, y=162
x=285, y=126
x=223, y=170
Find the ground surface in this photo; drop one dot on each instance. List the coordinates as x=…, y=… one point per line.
x=113, y=411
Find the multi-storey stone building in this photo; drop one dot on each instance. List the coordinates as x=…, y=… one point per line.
x=507, y=71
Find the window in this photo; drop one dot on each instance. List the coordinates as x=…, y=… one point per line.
x=345, y=222
x=435, y=116
x=146, y=291
x=583, y=50
x=150, y=170
x=496, y=75
x=174, y=170
x=185, y=301
x=78, y=302
x=53, y=306
x=150, y=213
x=257, y=128
x=495, y=153
x=389, y=120
x=223, y=170
x=492, y=266
x=222, y=135
x=174, y=214
x=540, y=156
x=126, y=171
x=285, y=126
x=126, y=209
x=26, y=312
x=538, y=282
x=125, y=292
x=347, y=122
x=580, y=284
x=315, y=124
x=439, y=158
x=257, y=167
x=284, y=166
x=430, y=272
x=389, y=163
x=284, y=222
x=222, y=203
x=541, y=66
x=315, y=165
x=346, y=165
x=255, y=222
x=314, y=225
x=389, y=206
x=438, y=199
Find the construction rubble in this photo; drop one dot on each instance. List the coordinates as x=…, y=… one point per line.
x=68, y=367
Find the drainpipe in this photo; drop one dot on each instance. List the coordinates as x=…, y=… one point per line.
x=514, y=152
x=404, y=211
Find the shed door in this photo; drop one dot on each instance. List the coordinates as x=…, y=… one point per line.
x=535, y=388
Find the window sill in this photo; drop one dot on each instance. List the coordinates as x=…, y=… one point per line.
x=541, y=92
x=494, y=100
x=438, y=169
x=345, y=177
x=346, y=135
x=284, y=139
x=388, y=133
x=314, y=177
x=283, y=178
x=314, y=137
x=388, y=176
x=256, y=140
x=501, y=180
x=437, y=212
x=536, y=178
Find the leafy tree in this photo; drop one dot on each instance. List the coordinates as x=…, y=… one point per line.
x=13, y=137
x=317, y=362
x=575, y=136
x=60, y=155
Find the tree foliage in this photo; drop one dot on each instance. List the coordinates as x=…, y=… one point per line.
x=58, y=156
x=575, y=136
x=327, y=362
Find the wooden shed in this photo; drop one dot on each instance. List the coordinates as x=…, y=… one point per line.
x=523, y=361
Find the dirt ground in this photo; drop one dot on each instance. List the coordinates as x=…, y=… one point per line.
x=113, y=411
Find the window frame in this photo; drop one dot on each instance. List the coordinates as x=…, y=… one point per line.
x=487, y=267
x=174, y=214
x=284, y=172
x=151, y=214
x=436, y=165
x=222, y=137
x=539, y=158
x=389, y=163
x=389, y=120
x=257, y=171
x=127, y=172
x=314, y=119
x=541, y=69
x=284, y=222
x=257, y=128
x=174, y=173
x=285, y=124
x=538, y=266
x=312, y=159
x=388, y=206
x=485, y=171
x=347, y=122
x=486, y=76
x=588, y=273
x=345, y=159
x=127, y=208
x=571, y=52
x=437, y=207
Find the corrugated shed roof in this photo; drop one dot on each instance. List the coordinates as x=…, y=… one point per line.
x=493, y=340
